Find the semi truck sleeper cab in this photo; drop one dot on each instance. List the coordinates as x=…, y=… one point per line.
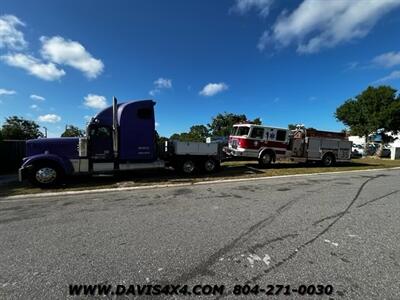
x=121, y=137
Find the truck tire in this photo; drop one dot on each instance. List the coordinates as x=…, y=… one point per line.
x=187, y=166
x=265, y=159
x=328, y=160
x=210, y=165
x=45, y=174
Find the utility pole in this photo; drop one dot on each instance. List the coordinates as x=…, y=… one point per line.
x=45, y=132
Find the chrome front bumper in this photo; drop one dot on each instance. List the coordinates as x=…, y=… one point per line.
x=241, y=152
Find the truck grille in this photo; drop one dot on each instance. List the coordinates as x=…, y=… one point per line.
x=234, y=144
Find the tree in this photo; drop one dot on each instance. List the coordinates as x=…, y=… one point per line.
x=197, y=133
x=256, y=121
x=182, y=137
x=221, y=124
x=175, y=136
x=375, y=110
x=160, y=139
x=346, y=131
x=72, y=131
x=292, y=127
x=18, y=128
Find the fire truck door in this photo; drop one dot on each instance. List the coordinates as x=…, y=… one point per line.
x=298, y=147
x=313, y=148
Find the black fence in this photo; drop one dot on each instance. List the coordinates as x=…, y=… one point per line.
x=11, y=154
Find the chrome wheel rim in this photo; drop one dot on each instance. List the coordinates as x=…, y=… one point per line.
x=266, y=158
x=188, y=166
x=209, y=165
x=46, y=175
x=328, y=160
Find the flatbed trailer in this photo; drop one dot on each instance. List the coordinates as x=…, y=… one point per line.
x=189, y=156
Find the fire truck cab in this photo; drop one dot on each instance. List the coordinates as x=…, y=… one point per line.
x=265, y=143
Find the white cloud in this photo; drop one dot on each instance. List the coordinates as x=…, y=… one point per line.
x=157, y=124
x=159, y=84
x=244, y=6
x=46, y=71
x=387, y=60
x=49, y=118
x=10, y=36
x=317, y=24
x=34, y=107
x=212, y=89
x=392, y=76
x=5, y=92
x=95, y=101
x=61, y=51
x=37, y=97
x=87, y=118
x=163, y=83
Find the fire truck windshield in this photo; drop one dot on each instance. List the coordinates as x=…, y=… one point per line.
x=240, y=130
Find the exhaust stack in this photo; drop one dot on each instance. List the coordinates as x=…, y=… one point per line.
x=115, y=127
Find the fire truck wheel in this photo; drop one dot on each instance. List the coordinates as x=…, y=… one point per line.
x=328, y=160
x=188, y=166
x=45, y=174
x=210, y=165
x=265, y=159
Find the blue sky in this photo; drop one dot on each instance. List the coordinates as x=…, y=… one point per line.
x=283, y=61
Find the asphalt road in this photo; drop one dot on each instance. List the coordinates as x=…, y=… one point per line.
x=337, y=229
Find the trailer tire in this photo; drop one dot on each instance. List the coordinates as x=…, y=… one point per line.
x=328, y=160
x=187, y=166
x=46, y=174
x=265, y=159
x=210, y=165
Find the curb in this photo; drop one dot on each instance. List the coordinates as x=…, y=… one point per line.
x=106, y=190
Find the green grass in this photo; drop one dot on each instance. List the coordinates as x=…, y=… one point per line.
x=233, y=169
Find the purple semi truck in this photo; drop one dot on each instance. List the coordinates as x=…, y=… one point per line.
x=119, y=138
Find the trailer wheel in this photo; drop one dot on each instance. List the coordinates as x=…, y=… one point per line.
x=328, y=160
x=265, y=159
x=45, y=174
x=210, y=165
x=188, y=166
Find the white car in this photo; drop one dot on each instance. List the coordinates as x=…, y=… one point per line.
x=357, y=150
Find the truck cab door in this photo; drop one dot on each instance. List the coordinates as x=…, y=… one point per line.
x=100, y=142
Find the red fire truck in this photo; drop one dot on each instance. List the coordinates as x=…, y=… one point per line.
x=269, y=144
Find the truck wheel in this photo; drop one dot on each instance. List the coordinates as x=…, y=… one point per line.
x=265, y=159
x=328, y=160
x=45, y=175
x=210, y=165
x=188, y=166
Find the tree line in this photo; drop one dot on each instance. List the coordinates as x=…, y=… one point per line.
x=220, y=126
x=18, y=128
x=376, y=110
